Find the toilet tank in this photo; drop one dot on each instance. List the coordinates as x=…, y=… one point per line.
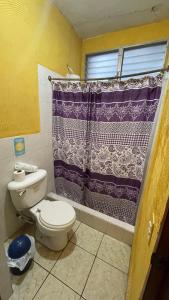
x=30, y=191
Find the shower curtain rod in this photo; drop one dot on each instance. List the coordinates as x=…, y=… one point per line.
x=110, y=78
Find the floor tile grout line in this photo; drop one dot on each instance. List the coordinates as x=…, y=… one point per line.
x=58, y=258
x=94, y=255
x=75, y=231
x=78, y=225
x=54, y=262
x=88, y=276
x=49, y=273
x=92, y=266
x=98, y=256
x=82, y=248
x=81, y=295
x=112, y=266
x=41, y=266
x=65, y=284
x=106, y=261
x=63, y=249
x=100, y=244
x=89, y=271
x=69, y=241
x=41, y=286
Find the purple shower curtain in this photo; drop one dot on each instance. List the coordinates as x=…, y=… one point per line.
x=101, y=132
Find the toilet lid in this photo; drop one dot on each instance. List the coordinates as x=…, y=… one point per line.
x=57, y=214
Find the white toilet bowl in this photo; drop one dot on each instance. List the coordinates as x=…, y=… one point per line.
x=54, y=219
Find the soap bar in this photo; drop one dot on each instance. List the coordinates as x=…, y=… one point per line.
x=26, y=167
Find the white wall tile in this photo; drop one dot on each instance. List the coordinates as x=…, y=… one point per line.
x=6, y=148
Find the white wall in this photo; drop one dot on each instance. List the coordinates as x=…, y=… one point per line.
x=5, y=281
x=38, y=152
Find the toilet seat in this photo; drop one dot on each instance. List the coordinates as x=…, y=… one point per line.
x=56, y=215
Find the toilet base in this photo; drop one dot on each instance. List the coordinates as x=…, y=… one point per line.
x=56, y=242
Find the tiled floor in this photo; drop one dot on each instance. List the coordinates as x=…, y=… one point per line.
x=93, y=266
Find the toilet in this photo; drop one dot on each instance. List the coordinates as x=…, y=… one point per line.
x=54, y=219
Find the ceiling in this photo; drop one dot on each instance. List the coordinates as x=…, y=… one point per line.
x=95, y=17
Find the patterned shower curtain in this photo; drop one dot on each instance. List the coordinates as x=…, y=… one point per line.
x=101, y=132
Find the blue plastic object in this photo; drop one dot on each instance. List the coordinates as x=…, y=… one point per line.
x=19, y=247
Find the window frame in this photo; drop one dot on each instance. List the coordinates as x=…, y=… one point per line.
x=121, y=54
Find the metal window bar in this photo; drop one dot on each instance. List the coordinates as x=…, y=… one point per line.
x=120, y=61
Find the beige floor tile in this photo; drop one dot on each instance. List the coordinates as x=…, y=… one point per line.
x=74, y=228
x=105, y=282
x=73, y=267
x=87, y=238
x=115, y=253
x=54, y=289
x=45, y=257
x=26, y=286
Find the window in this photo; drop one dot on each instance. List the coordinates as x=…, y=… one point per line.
x=145, y=58
x=126, y=61
x=102, y=65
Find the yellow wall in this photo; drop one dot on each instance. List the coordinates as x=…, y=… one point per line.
x=35, y=32
x=32, y=32
x=131, y=36
x=154, y=199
